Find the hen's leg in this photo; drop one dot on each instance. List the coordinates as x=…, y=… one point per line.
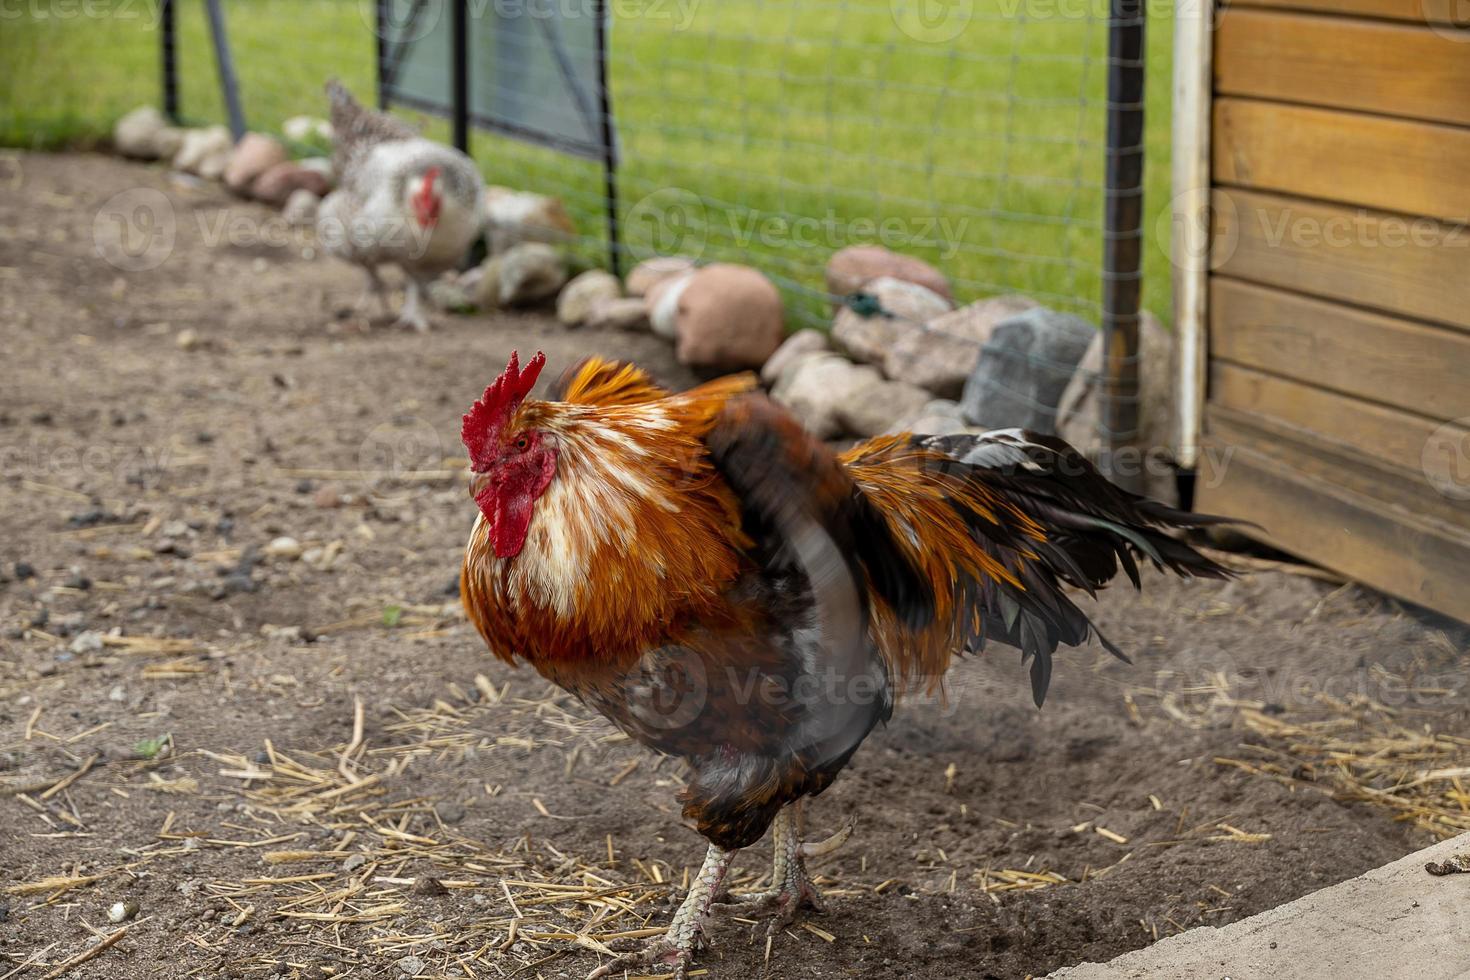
x=791, y=886
x=411, y=315
x=375, y=289
x=676, y=947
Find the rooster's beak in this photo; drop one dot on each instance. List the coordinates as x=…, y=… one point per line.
x=478, y=483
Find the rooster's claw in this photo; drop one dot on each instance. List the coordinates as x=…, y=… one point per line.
x=661, y=952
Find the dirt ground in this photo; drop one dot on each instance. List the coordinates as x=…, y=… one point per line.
x=163, y=426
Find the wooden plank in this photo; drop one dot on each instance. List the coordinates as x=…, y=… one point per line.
x=1437, y=12
x=1419, y=368
x=1397, y=165
x=1391, y=437
x=1344, y=63
x=1326, y=518
x=1414, y=267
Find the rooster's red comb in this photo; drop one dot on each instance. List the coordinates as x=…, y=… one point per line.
x=488, y=416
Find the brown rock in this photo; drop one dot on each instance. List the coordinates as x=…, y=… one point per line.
x=253, y=156
x=730, y=318
x=869, y=338
x=276, y=185
x=852, y=268
x=650, y=272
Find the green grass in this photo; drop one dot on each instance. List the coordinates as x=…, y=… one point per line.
x=983, y=154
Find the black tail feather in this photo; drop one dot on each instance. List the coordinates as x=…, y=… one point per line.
x=1093, y=529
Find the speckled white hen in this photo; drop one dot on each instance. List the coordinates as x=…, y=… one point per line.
x=400, y=200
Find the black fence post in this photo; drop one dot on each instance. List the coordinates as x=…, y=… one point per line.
x=1123, y=242
x=380, y=35
x=609, y=149
x=168, y=52
x=225, y=63
x=459, y=77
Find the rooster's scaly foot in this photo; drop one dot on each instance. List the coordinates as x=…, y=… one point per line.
x=686, y=932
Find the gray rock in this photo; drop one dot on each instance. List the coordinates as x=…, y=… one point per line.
x=448, y=293
x=1024, y=369
x=300, y=208
x=1079, y=410
x=88, y=642
x=144, y=134
x=872, y=409
x=204, y=152
x=529, y=272
x=583, y=293
x=868, y=339
x=624, y=313
x=802, y=342
x=812, y=389
x=941, y=356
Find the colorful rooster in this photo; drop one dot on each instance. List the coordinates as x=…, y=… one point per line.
x=726, y=589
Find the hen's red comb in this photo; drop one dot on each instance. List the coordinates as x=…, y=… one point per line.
x=488, y=416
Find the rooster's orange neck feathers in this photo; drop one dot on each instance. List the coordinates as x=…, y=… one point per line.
x=633, y=532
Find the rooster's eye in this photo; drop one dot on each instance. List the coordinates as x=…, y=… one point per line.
x=523, y=443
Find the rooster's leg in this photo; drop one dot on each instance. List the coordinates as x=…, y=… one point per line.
x=676, y=947
x=791, y=886
x=411, y=315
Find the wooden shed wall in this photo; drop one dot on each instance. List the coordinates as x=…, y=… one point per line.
x=1338, y=406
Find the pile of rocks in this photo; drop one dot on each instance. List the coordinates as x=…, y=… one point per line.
x=917, y=363
x=720, y=317
x=258, y=167
x=905, y=358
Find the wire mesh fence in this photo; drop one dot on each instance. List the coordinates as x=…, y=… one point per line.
x=969, y=133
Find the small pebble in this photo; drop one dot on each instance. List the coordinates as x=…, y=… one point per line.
x=428, y=885
x=24, y=570
x=353, y=862
x=283, y=547
x=88, y=642
x=410, y=966
x=122, y=911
